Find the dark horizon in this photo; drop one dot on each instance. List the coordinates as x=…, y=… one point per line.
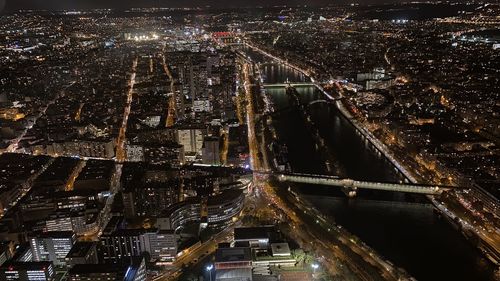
x=14, y=5
x=11, y=5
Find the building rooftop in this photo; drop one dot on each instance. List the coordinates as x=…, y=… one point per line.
x=233, y=255
x=96, y=268
x=41, y=265
x=225, y=197
x=55, y=234
x=280, y=249
x=80, y=249
x=236, y=274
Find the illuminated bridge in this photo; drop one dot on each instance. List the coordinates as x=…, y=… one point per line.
x=291, y=84
x=348, y=184
x=353, y=185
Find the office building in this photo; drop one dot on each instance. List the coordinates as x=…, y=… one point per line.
x=180, y=214
x=161, y=245
x=52, y=246
x=224, y=206
x=220, y=209
x=125, y=243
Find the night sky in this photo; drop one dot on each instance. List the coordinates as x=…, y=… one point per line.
x=11, y=5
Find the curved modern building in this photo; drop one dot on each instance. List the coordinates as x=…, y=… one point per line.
x=220, y=209
x=224, y=206
x=184, y=212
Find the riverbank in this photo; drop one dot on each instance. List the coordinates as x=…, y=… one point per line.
x=441, y=208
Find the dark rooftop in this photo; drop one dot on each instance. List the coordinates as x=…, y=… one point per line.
x=80, y=249
x=55, y=234
x=41, y=265
x=233, y=254
x=251, y=233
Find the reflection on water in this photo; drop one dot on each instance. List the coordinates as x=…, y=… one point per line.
x=411, y=236
x=277, y=73
x=408, y=234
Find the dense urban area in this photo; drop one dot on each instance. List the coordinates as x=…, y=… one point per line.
x=345, y=142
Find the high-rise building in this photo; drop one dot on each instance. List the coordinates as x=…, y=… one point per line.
x=135, y=153
x=80, y=222
x=181, y=213
x=126, y=243
x=161, y=245
x=120, y=244
x=52, y=246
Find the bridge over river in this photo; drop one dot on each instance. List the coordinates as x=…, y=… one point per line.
x=352, y=185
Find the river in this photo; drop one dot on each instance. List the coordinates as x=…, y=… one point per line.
x=402, y=228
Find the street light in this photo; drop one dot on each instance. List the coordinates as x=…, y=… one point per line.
x=209, y=269
x=314, y=266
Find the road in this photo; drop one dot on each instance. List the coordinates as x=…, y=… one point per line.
x=74, y=174
x=193, y=256
x=121, y=154
x=325, y=238
x=412, y=171
x=171, y=107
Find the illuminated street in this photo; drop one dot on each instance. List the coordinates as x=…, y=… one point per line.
x=121, y=154
x=249, y=140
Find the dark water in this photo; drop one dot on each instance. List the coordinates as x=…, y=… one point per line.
x=273, y=73
x=401, y=227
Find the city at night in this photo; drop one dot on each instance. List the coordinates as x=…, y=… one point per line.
x=279, y=140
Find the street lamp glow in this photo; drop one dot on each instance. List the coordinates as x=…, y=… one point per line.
x=209, y=269
x=315, y=266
